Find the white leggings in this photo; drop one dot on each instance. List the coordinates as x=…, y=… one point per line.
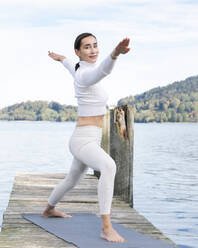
x=84, y=145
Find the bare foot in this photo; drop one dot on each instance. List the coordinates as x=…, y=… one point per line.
x=55, y=213
x=110, y=234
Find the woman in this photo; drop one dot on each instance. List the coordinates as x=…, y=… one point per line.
x=85, y=141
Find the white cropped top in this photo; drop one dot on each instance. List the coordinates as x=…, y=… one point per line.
x=90, y=95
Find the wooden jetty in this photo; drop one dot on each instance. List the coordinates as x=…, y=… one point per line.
x=29, y=195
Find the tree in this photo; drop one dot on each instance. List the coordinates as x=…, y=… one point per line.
x=163, y=105
x=181, y=108
x=55, y=106
x=174, y=103
x=173, y=116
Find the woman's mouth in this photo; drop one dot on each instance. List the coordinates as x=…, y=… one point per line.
x=93, y=57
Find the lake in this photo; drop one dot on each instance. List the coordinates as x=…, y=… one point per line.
x=165, y=168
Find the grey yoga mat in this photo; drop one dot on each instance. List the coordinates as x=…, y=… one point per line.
x=83, y=230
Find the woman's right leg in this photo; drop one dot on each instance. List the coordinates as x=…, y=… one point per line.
x=76, y=173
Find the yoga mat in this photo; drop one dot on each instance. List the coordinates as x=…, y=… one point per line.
x=83, y=230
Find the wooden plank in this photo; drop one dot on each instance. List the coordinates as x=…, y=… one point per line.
x=29, y=195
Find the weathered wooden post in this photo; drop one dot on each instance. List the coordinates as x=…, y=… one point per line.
x=118, y=140
x=121, y=150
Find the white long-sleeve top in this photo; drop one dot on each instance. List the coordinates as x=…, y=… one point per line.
x=91, y=96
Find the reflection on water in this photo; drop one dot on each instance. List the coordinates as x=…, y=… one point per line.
x=165, y=168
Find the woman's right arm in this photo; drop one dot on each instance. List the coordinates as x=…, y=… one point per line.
x=70, y=65
x=56, y=56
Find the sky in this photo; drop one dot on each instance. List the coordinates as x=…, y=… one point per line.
x=163, y=41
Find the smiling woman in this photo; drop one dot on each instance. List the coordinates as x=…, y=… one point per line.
x=85, y=141
x=91, y=108
x=86, y=47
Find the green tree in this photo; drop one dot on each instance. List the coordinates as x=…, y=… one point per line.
x=181, y=108
x=173, y=116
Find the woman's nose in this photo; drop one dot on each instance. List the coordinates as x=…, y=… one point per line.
x=93, y=50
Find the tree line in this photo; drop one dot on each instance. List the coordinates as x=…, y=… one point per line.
x=39, y=111
x=176, y=102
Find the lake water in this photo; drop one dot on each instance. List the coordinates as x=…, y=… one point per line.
x=165, y=168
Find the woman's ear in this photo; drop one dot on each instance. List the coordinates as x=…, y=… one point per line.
x=77, y=52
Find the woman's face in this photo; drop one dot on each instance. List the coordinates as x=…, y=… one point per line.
x=88, y=50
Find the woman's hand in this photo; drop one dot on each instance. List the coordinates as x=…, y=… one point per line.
x=122, y=47
x=55, y=56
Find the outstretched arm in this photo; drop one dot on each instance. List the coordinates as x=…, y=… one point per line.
x=122, y=47
x=56, y=56
x=65, y=61
x=94, y=75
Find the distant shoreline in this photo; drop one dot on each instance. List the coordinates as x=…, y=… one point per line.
x=174, y=103
x=168, y=122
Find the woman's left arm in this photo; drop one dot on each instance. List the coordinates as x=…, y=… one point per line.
x=94, y=75
x=122, y=47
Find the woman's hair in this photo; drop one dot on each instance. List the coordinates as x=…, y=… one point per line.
x=77, y=44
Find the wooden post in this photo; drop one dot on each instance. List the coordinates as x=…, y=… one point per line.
x=117, y=141
x=121, y=150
